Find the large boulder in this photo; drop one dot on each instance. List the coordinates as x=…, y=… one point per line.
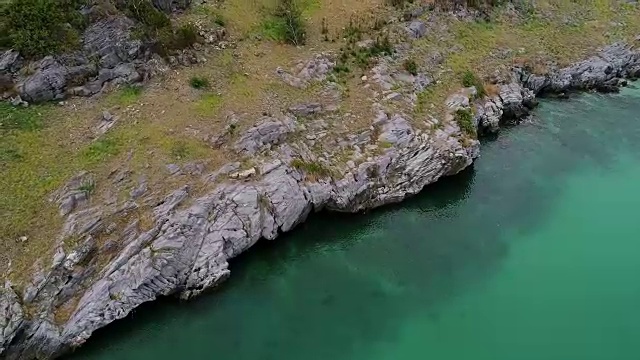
x=53, y=76
x=47, y=83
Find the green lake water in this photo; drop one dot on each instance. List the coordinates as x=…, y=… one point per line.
x=533, y=254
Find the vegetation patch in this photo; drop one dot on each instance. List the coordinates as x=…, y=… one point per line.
x=208, y=104
x=362, y=56
x=312, y=168
x=199, y=82
x=469, y=78
x=100, y=150
x=145, y=13
x=21, y=118
x=286, y=24
x=464, y=119
x=410, y=66
x=127, y=95
x=40, y=27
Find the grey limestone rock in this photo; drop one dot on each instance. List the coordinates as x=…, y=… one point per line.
x=47, y=83
x=306, y=109
x=489, y=115
x=11, y=316
x=516, y=101
x=110, y=41
x=268, y=131
x=10, y=62
x=600, y=72
x=417, y=29
x=315, y=69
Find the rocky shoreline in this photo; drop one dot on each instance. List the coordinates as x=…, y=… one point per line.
x=188, y=248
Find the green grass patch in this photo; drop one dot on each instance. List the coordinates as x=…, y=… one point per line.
x=9, y=154
x=127, y=95
x=100, y=150
x=21, y=118
x=312, y=168
x=208, y=104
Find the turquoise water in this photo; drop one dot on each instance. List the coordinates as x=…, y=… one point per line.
x=534, y=253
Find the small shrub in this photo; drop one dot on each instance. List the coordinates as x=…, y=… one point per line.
x=87, y=187
x=146, y=13
x=169, y=39
x=470, y=79
x=185, y=36
x=341, y=68
x=199, y=82
x=464, y=118
x=354, y=30
x=362, y=56
x=411, y=67
x=382, y=46
x=286, y=24
x=312, y=168
x=218, y=19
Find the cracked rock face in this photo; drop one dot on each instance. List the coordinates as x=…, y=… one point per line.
x=11, y=316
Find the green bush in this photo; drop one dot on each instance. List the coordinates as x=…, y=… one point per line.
x=146, y=13
x=464, y=118
x=199, y=82
x=411, y=67
x=185, y=36
x=313, y=168
x=286, y=24
x=362, y=55
x=169, y=39
x=470, y=79
x=40, y=27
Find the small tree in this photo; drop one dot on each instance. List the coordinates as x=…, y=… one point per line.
x=294, y=27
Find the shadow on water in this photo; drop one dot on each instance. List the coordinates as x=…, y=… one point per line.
x=342, y=280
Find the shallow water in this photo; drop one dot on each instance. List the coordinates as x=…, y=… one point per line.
x=532, y=254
